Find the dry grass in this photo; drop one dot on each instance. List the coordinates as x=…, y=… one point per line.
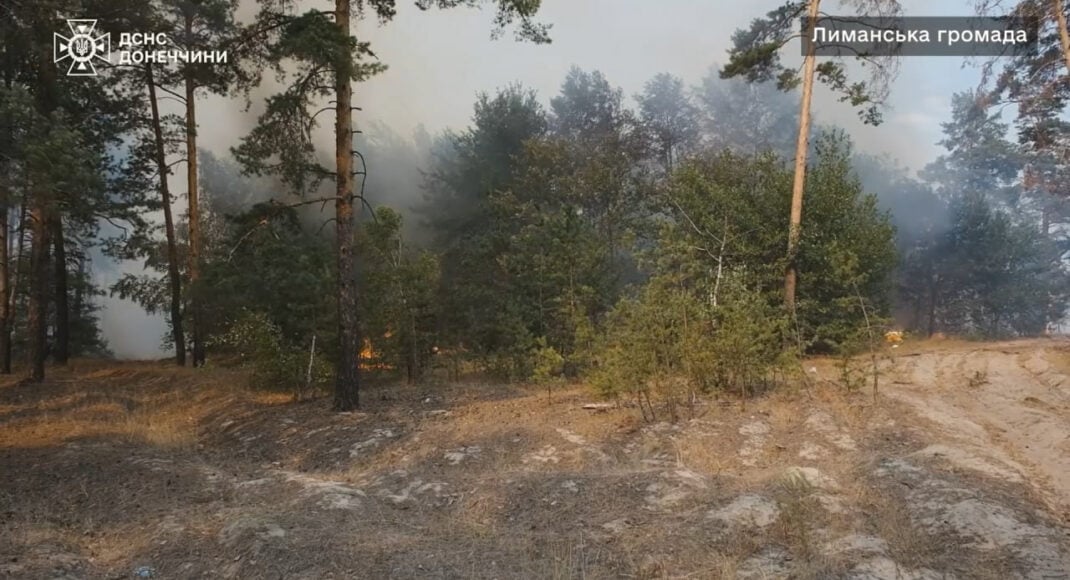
x=703, y=454
x=138, y=403
x=906, y=541
x=595, y=512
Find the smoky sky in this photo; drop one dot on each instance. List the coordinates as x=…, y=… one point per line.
x=440, y=60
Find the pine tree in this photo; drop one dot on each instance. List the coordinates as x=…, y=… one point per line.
x=330, y=60
x=756, y=57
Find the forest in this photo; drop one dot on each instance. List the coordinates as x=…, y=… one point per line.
x=700, y=236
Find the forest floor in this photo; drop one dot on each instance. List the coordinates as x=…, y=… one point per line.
x=959, y=469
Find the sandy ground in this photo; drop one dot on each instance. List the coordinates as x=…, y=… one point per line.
x=1008, y=401
x=960, y=469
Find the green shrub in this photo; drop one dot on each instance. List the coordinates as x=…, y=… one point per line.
x=548, y=364
x=275, y=365
x=669, y=342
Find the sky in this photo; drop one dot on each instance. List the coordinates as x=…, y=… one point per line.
x=440, y=60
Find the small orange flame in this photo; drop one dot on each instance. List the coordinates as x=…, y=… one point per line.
x=371, y=359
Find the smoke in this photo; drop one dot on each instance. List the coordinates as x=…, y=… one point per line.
x=439, y=60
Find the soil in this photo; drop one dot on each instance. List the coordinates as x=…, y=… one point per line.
x=959, y=468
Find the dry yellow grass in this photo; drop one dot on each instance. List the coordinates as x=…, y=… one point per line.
x=612, y=502
x=135, y=402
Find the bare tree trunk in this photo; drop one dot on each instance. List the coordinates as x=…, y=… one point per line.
x=12, y=296
x=795, y=225
x=38, y=308
x=298, y=393
x=62, y=337
x=194, y=212
x=78, y=303
x=347, y=375
x=1064, y=36
x=169, y=226
x=40, y=206
x=5, y=241
x=412, y=360
x=720, y=262
x=5, y=288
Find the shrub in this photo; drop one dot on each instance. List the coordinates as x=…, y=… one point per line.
x=669, y=342
x=275, y=366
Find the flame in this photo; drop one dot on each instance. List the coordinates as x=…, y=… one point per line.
x=371, y=359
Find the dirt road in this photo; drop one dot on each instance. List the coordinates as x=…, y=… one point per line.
x=1009, y=402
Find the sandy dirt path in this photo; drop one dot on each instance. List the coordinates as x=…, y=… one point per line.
x=1008, y=401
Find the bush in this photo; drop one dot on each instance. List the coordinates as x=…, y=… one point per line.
x=669, y=342
x=547, y=362
x=275, y=366
x=747, y=347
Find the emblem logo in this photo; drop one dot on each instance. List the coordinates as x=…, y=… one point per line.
x=82, y=47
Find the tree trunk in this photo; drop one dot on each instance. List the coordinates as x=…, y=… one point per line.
x=194, y=212
x=933, y=291
x=5, y=240
x=1064, y=36
x=40, y=205
x=347, y=376
x=13, y=294
x=169, y=226
x=38, y=308
x=78, y=302
x=795, y=225
x=61, y=348
x=5, y=289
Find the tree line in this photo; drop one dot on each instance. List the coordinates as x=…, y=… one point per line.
x=632, y=240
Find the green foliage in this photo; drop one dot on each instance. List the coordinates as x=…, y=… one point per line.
x=727, y=215
x=755, y=56
x=275, y=364
x=986, y=269
x=1006, y=278
x=268, y=263
x=399, y=312
x=669, y=341
x=669, y=117
x=847, y=251
x=530, y=222
x=508, y=12
x=748, y=118
x=747, y=347
x=547, y=364
x=1035, y=81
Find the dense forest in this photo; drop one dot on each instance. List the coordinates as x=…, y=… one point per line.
x=636, y=242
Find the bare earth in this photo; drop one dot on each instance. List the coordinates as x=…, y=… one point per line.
x=960, y=469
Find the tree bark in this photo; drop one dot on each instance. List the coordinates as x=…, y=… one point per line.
x=795, y=225
x=40, y=206
x=13, y=294
x=347, y=375
x=38, y=308
x=5, y=241
x=1064, y=36
x=78, y=301
x=194, y=212
x=169, y=226
x=5, y=289
x=62, y=336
